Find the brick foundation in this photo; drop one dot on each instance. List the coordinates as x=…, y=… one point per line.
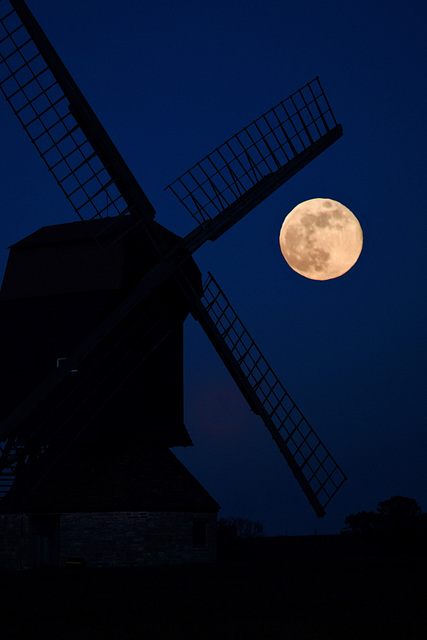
x=112, y=539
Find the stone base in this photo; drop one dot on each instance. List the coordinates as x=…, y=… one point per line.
x=112, y=539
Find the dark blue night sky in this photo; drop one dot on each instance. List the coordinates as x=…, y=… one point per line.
x=170, y=81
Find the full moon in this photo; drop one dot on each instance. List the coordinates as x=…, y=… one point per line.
x=321, y=239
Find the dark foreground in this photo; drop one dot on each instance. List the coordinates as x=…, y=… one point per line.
x=384, y=597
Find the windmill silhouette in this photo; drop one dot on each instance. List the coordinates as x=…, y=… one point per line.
x=130, y=343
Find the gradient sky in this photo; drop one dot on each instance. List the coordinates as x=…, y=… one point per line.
x=170, y=81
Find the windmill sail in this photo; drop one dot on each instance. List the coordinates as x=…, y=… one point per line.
x=232, y=180
x=60, y=123
x=318, y=474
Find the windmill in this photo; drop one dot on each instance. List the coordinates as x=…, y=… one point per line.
x=144, y=320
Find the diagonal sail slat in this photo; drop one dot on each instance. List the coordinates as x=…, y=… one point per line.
x=315, y=469
x=56, y=117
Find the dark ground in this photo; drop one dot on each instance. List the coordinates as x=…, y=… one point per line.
x=378, y=596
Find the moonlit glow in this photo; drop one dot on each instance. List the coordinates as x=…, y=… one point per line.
x=321, y=239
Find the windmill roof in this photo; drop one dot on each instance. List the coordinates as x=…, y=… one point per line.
x=64, y=258
x=77, y=230
x=104, y=480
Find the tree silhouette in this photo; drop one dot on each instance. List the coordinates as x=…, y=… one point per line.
x=398, y=514
x=240, y=527
x=362, y=522
x=400, y=507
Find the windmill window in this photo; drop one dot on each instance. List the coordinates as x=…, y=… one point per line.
x=199, y=533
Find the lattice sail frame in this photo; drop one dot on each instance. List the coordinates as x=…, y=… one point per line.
x=257, y=151
x=55, y=122
x=313, y=466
